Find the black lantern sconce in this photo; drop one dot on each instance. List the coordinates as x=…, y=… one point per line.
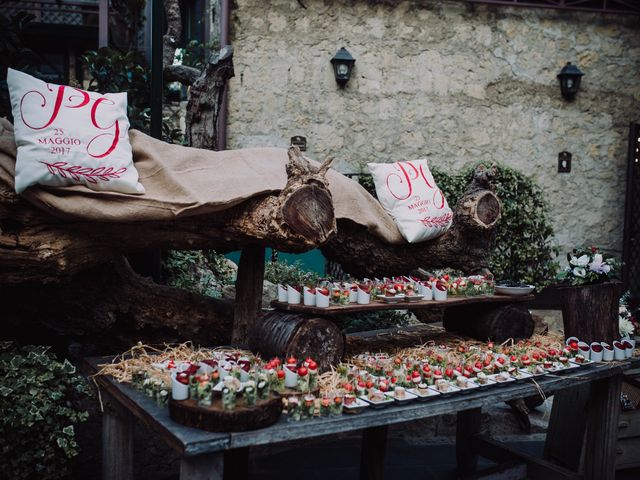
x=342, y=66
x=569, y=78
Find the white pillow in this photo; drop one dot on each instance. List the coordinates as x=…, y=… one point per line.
x=67, y=136
x=408, y=192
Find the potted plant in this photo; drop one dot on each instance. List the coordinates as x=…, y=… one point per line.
x=590, y=295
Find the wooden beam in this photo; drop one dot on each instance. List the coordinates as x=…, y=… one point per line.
x=374, y=446
x=248, y=293
x=602, y=430
x=117, y=442
x=236, y=464
x=468, y=426
x=209, y=466
x=537, y=468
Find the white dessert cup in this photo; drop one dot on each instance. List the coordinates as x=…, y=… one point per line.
x=426, y=291
x=293, y=295
x=322, y=301
x=179, y=391
x=363, y=297
x=282, y=293
x=596, y=356
x=439, y=295
x=571, y=339
x=619, y=353
x=607, y=355
x=290, y=378
x=309, y=298
x=584, y=349
x=353, y=295
x=630, y=344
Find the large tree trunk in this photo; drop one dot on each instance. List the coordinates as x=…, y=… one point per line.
x=110, y=308
x=465, y=246
x=35, y=247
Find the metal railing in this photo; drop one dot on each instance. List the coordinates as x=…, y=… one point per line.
x=66, y=12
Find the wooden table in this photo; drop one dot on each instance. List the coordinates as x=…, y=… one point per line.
x=206, y=455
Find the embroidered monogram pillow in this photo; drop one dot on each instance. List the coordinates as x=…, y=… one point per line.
x=67, y=136
x=408, y=192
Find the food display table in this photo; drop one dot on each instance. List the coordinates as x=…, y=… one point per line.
x=206, y=455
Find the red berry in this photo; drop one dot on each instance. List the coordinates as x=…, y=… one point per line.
x=302, y=371
x=280, y=373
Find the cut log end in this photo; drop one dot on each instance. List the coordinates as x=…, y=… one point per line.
x=309, y=213
x=488, y=209
x=280, y=333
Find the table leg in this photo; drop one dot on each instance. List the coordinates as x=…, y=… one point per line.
x=236, y=464
x=117, y=442
x=468, y=425
x=209, y=466
x=602, y=429
x=374, y=446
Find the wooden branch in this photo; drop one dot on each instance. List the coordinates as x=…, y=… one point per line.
x=36, y=247
x=205, y=99
x=181, y=73
x=465, y=246
x=111, y=307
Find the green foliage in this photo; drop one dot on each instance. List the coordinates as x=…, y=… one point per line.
x=362, y=322
x=38, y=400
x=199, y=271
x=523, y=250
x=289, y=274
x=112, y=71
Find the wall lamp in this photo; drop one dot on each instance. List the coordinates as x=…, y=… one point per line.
x=342, y=63
x=569, y=78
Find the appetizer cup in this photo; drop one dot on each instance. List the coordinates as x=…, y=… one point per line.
x=322, y=300
x=584, y=349
x=628, y=347
x=179, y=391
x=619, y=351
x=308, y=297
x=353, y=294
x=607, y=352
x=282, y=293
x=571, y=339
x=439, y=295
x=596, y=352
x=293, y=295
x=290, y=378
x=425, y=289
x=363, y=297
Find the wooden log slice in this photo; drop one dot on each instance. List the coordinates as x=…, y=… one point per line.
x=590, y=312
x=215, y=419
x=484, y=322
x=309, y=212
x=282, y=333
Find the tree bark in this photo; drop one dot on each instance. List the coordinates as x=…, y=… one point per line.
x=590, y=312
x=465, y=246
x=35, y=247
x=110, y=308
x=205, y=99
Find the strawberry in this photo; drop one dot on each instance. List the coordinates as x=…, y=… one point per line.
x=397, y=361
x=438, y=372
x=369, y=384
x=490, y=345
x=536, y=356
x=280, y=374
x=324, y=291
x=291, y=360
x=537, y=344
x=312, y=365
x=415, y=374
x=449, y=372
x=513, y=358
x=183, y=378
x=458, y=369
x=383, y=387
x=487, y=362
x=302, y=371
x=501, y=360
x=426, y=368
x=348, y=387
x=361, y=384
x=478, y=364
x=462, y=349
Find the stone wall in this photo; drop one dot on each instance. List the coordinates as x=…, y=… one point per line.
x=449, y=82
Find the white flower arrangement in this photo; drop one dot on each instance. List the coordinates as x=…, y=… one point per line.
x=588, y=265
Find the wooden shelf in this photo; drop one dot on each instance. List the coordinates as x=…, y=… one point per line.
x=378, y=305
